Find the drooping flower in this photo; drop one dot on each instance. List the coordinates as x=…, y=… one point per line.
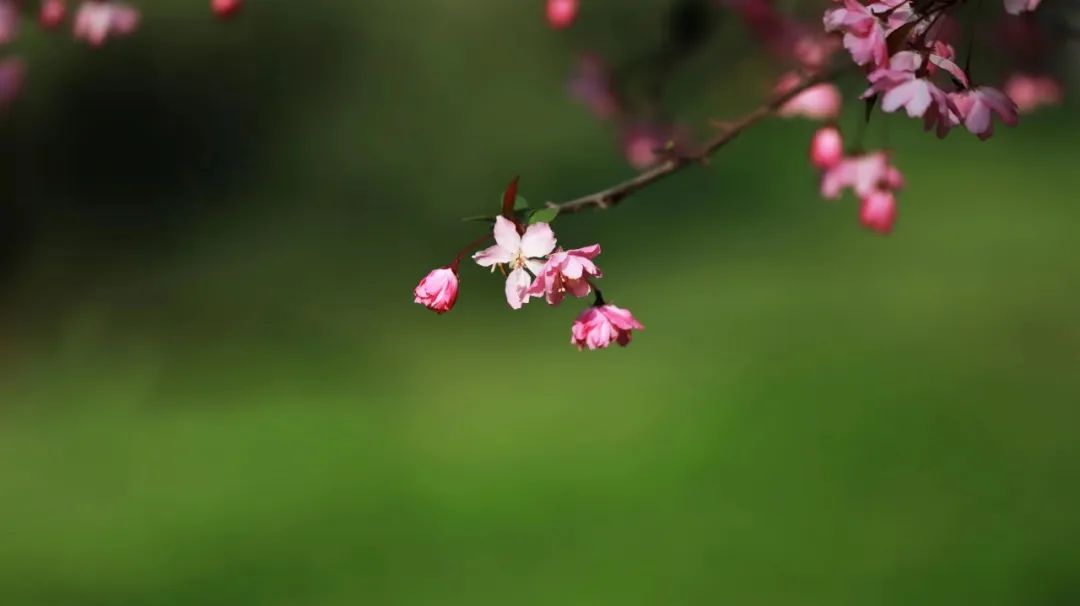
x=905, y=83
x=877, y=211
x=864, y=174
x=975, y=108
x=864, y=33
x=826, y=148
x=1032, y=92
x=1015, y=7
x=521, y=252
x=561, y=13
x=566, y=271
x=916, y=96
x=438, y=290
x=601, y=325
x=820, y=102
x=901, y=86
x=98, y=20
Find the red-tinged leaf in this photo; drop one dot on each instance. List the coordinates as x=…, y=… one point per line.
x=509, y=196
x=896, y=40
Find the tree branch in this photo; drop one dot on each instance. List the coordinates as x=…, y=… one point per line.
x=611, y=196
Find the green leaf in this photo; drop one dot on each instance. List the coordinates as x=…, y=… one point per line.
x=543, y=215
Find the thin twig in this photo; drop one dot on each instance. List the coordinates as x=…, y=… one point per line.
x=611, y=196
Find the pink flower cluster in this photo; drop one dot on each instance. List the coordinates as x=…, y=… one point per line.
x=537, y=268
x=907, y=61
x=910, y=67
x=871, y=176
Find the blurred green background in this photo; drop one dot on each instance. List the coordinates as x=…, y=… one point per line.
x=215, y=387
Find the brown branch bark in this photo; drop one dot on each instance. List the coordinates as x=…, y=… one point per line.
x=611, y=196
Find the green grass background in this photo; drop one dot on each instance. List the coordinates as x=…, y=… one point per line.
x=238, y=403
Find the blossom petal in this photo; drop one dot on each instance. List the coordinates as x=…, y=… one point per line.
x=1001, y=104
x=493, y=255
x=977, y=119
x=506, y=235
x=538, y=240
x=621, y=317
x=897, y=97
x=517, y=283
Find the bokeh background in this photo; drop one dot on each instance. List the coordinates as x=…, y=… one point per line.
x=215, y=387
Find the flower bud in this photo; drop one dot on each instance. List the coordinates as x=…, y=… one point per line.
x=561, y=13
x=878, y=211
x=438, y=290
x=826, y=148
x=224, y=9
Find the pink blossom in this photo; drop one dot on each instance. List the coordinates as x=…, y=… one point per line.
x=878, y=211
x=917, y=96
x=601, y=325
x=864, y=174
x=561, y=13
x=522, y=253
x=11, y=79
x=438, y=290
x=1015, y=7
x=52, y=13
x=1031, y=92
x=642, y=144
x=9, y=21
x=97, y=20
x=975, y=108
x=864, y=33
x=225, y=8
x=821, y=102
x=566, y=271
x=826, y=148
x=902, y=87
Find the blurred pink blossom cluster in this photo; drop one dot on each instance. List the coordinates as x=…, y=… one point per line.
x=903, y=47
x=92, y=22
